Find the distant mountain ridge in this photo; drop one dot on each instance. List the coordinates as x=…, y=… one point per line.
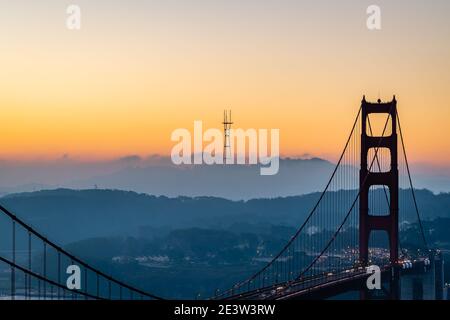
x=236, y=182
x=70, y=215
x=157, y=175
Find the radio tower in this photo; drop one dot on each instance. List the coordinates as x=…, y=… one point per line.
x=226, y=132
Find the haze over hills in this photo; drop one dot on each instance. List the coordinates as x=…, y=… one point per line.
x=70, y=215
x=296, y=176
x=199, y=243
x=156, y=175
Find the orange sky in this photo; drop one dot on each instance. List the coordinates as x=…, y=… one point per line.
x=133, y=74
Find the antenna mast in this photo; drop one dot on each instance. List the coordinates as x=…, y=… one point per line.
x=226, y=132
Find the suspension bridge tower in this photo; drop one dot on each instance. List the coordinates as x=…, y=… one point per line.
x=370, y=145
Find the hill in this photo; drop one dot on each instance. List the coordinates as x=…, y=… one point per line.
x=70, y=215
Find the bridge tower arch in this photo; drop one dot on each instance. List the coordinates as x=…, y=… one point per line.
x=369, y=178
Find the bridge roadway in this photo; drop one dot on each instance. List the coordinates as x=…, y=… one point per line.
x=321, y=286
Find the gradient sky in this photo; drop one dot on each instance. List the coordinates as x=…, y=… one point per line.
x=139, y=69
